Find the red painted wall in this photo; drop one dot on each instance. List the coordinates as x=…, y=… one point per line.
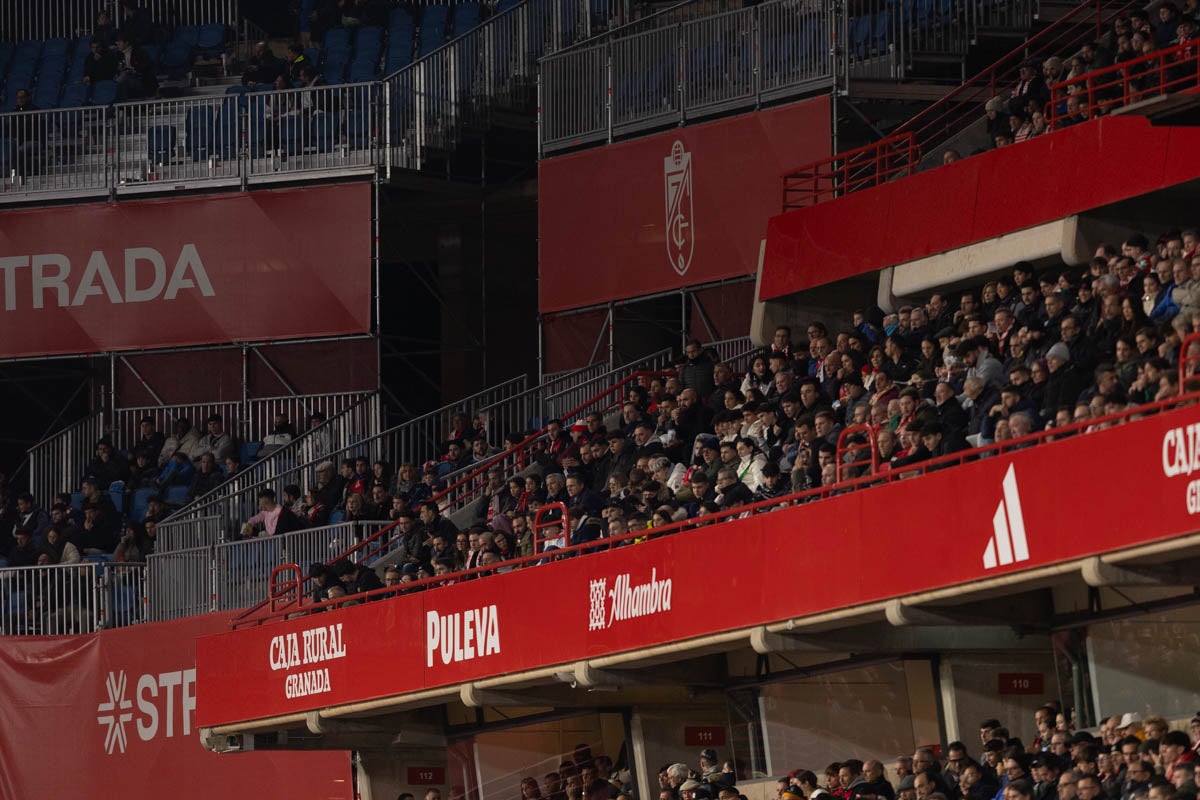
x=975, y=199
x=603, y=213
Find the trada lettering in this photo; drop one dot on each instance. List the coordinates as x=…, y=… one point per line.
x=143, y=271
x=462, y=636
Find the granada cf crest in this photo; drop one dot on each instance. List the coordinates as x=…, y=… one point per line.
x=681, y=233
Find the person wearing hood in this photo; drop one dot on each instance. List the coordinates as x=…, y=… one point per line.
x=1064, y=384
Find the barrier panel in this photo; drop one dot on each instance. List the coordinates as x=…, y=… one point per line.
x=46, y=19
x=182, y=534
x=181, y=583
x=71, y=598
x=57, y=463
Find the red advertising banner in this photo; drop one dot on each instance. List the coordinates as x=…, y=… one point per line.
x=248, y=266
x=986, y=518
x=681, y=208
x=973, y=200
x=113, y=715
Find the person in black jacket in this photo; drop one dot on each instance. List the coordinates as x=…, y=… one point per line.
x=355, y=577
x=207, y=477
x=1065, y=382
x=99, y=64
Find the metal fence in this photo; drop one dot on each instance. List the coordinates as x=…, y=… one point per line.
x=250, y=419
x=70, y=598
x=243, y=568
x=235, y=139
x=48, y=19
x=181, y=583
x=182, y=534
x=570, y=398
x=737, y=353
x=666, y=75
x=412, y=441
x=57, y=463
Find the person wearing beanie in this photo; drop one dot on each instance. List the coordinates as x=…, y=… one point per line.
x=1064, y=382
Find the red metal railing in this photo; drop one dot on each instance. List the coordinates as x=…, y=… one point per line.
x=849, y=464
x=1189, y=371
x=964, y=105
x=861, y=168
x=1172, y=69
x=285, y=593
x=543, y=520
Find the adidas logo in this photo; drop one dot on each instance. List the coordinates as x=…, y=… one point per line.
x=1008, y=544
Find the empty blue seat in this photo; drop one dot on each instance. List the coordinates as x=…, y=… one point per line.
x=56, y=47
x=177, y=56
x=361, y=72
x=337, y=44
x=466, y=17
x=359, y=129
x=399, y=56
x=198, y=132
x=177, y=495
x=293, y=134
x=334, y=72
x=47, y=92
x=337, y=516
x=104, y=93
x=324, y=131
x=160, y=144
x=186, y=34
x=368, y=43
x=139, y=504
x=211, y=39
x=74, y=95
x=399, y=19
x=433, y=29
x=116, y=493
x=27, y=53
x=77, y=501
x=249, y=451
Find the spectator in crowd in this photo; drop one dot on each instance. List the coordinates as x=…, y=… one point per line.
x=135, y=71
x=135, y=545
x=218, y=442
x=61, y=548
x=207, y=477
x=178, y=471
x=99, y=64
x=30, y=517
x=271, y=519
x=185, y=439
x=282, y=432
x=108, y=465
x=262, y=68
x=143, y=473
x=356, y=578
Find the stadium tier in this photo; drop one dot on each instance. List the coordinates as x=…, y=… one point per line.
x=845, y=446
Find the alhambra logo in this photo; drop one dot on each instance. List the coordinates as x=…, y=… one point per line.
x=625, y=600
x=1008, y=544
x=115, y=712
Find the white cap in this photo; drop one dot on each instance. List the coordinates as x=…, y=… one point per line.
x=1130, y=718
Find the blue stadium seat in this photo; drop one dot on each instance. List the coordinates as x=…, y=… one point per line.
x=160, y=144
x=337, y=44
x=337, y=516
x=74, y=95
x=368, y=44
x=104, y=93
x=46, y=94
x=56, y=48
x=178, y=55
x=399, y=19
x=116, y=492
x=433, y=29
x=139, y=504
x=211, y=39
x=186, y=34
x=198, y=132
x=324, y=131
x=334, y=72
x=249, y=451
x=292, y=134
x=358, y=128
x=306, y=9
x=257, y=132
x=27, y=52
x=227, y=130
x=77, y=501
x=177, y=495
x=399, y=55
x=466, y=17
x=361, y=72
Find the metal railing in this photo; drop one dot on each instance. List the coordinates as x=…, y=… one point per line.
x=54, y=151
x=242, y=568
x=181, y=583
x=666, y=75
x=736, y=353
x=47, y=19
x=250, y=419
x=183, y=534
x=572, y=398
x=1102, y=91
x=870, y=165
x=57, y=463
x=70, y=598
x=412, y=441
x=150, y=145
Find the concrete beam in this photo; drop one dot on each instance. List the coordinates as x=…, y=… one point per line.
x=474, y=697
x=1097, y=572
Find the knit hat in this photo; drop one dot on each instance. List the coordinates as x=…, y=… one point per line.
x=1059, y=351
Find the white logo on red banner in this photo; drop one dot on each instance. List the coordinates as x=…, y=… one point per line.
x=155, y=695
x=680, y=225
x=309, y=646
x=462, y=636
x=1008, y=544
x=625, y=600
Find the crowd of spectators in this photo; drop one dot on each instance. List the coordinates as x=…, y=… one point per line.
x=1052, y=84
x=1129, y=757
x=1024, y=353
